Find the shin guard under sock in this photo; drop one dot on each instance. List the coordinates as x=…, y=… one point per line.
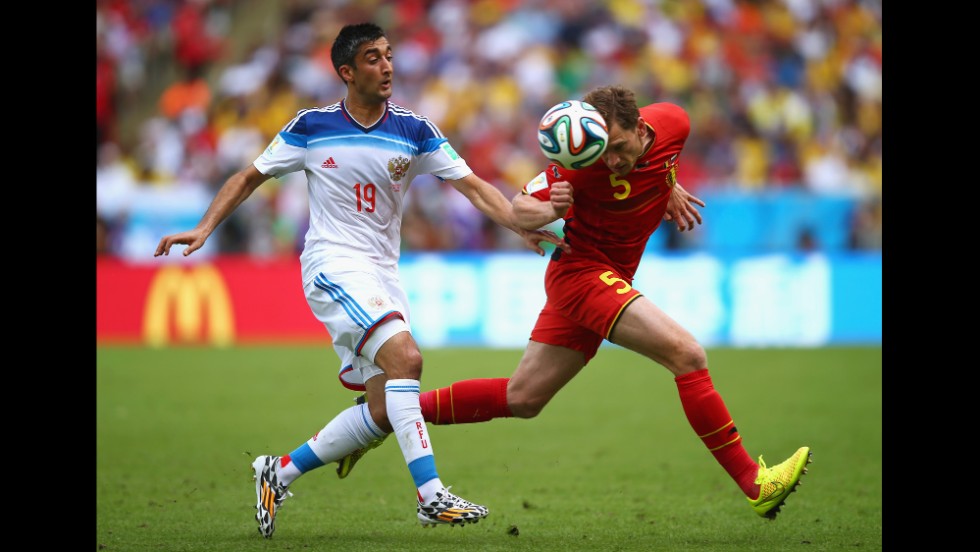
x=709, y=417
x=467, y=401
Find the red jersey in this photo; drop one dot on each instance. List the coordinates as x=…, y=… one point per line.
x=613, y=216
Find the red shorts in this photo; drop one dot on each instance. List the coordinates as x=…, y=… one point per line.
x=585, y=299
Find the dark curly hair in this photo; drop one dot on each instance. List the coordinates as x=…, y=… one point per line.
x=349, y=39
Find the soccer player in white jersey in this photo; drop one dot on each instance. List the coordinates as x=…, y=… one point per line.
x=360, y=155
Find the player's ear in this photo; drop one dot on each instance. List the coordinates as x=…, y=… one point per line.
x=347, y=73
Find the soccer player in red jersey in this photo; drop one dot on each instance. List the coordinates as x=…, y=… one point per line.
x=610, y=210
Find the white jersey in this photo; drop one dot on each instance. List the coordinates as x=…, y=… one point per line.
x=357, y=178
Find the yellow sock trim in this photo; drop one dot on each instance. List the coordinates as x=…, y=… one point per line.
x=735, y=440
x=730, y=422
x=452, y=410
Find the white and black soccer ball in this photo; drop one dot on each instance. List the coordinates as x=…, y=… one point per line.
x=573, y=134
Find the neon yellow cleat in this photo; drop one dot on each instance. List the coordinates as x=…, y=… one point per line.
x=778, y=482
x=346, y=464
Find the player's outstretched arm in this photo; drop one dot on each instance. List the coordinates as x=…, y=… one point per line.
x=681, y=210
x=234, y=191
x=488, y=199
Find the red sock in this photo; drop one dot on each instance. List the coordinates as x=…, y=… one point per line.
x=467, y=401
x=710, y=419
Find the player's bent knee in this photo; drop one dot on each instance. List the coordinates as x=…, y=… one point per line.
x=409, y=364
x=525, y=408
x=393, y=349
x=689, y=357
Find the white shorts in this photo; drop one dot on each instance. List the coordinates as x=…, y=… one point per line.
x=362, y=306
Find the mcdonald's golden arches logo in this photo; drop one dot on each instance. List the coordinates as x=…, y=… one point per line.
x=191, y=299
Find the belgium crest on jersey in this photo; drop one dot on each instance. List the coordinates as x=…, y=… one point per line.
x=671, y=167
x=398, y=167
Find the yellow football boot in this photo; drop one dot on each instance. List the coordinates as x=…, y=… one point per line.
x=776, y=483
x=346, y=464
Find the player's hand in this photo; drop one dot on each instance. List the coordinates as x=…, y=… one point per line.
x=193, y=239
x=533, y=239
x=561, y=197
x=681, y=210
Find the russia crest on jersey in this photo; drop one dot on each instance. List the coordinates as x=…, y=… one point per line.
x=398, y=167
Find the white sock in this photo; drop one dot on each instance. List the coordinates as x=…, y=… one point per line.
x=348, y=431
x=405, y=415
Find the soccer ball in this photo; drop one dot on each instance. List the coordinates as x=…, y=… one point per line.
x=573, y=134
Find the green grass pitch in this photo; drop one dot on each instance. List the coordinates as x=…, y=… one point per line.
x=611, y=463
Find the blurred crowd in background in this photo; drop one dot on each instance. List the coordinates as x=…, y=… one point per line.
x=782, y=95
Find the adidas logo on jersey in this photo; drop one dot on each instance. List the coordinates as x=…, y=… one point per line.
x=329, y=164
